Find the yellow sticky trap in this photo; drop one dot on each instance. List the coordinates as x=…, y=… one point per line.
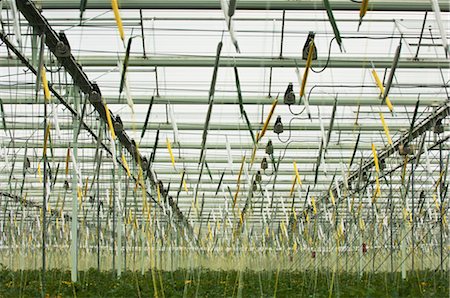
x=86, y=186
x=386, y=129
x=115, y=8
x=39, y=172
x=313, y=203
x=283, y=228
x=297, y=175
x=361, y=224
x=185, y=186
x=363, y=9
x=333, y=201
x=158, y=192
x=293, y=186
x=46, y=136
x=405, y=213
x=436, y=202
x=381, y=87
x=125, y=164
x=79, y=193
x=110, y=124
x=45, y=84
x=438, y=181
x=307, y=66
x=375, y=158
x=259, y=136
x=169, y=148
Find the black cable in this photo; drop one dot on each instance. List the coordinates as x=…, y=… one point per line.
x=290, y=130
x=296, y=114
x=328, y=59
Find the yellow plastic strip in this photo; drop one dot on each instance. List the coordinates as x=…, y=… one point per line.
x=375, y=158
x=333, y=201
x=307, y=66
x=110, y=124
x=45, y=84
x=313, y=203
x=39, y=172
x=293, y=186
x=240, y=170
x=115, y=8
x=363, y=9
x=158, y=192
x=297, y=175
x=362, y=225
x=46, y=136
x=125, y=164
x=185, y=186
x=380, y=86
x=169, y=148
x=386, y=129
x=266, y=123
x=439, y=180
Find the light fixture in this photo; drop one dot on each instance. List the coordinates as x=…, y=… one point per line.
x=258, y=176
x=264, y=164
x=118, y=125
x=278, y=127
x=382, y=164
x=404, y=150
x=438, y=127
x=309, y=39
x=289, y=95
x=269, y=148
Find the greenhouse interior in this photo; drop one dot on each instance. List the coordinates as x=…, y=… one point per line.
x=290, y=148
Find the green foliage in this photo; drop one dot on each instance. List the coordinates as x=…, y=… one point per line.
x=207, y=283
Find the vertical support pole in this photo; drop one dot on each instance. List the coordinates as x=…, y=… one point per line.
x=44, y=205
x=282, y=34
x=100, y=134
x=413, y=216
x=403, y=250
x=125, y=212
x=391, y=225
x=119, y=219
x=98, y=218
x=441, y=201
x=114, y=217
x=360, y=252
x=142, y=234
x=74, y=227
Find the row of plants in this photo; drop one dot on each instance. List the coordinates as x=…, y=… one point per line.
x=206, y=283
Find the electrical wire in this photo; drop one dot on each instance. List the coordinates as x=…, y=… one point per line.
x=290, y=130
x=328, y=59
x=296, y=114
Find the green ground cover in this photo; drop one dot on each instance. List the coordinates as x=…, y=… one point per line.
x=207, y=283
